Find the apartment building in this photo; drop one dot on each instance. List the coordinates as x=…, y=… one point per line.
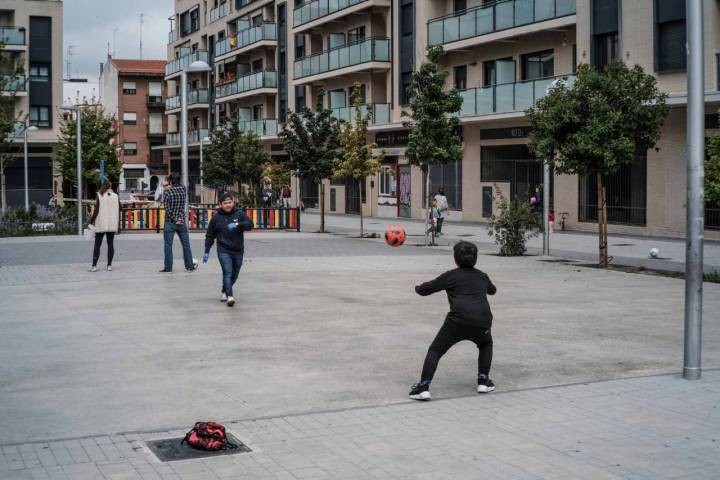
x=132, y=92
x=31, y=37
x=270, y=56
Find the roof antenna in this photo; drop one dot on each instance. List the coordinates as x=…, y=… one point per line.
x=141, y=27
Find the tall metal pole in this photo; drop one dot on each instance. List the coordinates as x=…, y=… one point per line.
x=79, y=172
x=695, y=191
x=184, y=139
x=25, y=149
x=546, y=209
x=202, y=185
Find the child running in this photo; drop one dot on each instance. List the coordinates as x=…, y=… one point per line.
x=469, y=318
x=228, y=225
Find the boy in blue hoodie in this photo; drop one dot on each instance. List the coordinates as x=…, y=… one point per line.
x=228, y=226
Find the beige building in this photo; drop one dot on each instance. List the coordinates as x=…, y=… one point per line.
x=270, y=56
x=31, y=36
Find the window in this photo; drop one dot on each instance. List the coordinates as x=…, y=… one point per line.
x=605, y=27
x=40, y=117
x=337, y=99
x=460, y=77
x=405, y=82
x=538, y=65
x=299, y=45
x=459, y=5
x=574, y=58
x=449, y=177
x=606, y=49
x=407, y=49
x=257, y=112
x=356, y=34
x=257, y=65
x=299, y=3
x=155, y=89
x=336, y=40
x=129, y=88
x=388, y=185
x=670, y=35
x=130, y=148
x=39, y=72
x=195, y=20
x=129, y=118
x=257, y=20
x=300, y=104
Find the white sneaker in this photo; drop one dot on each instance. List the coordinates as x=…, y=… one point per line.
x=230, y=301
x=109, y=269
x=93, y=269
x=223, y=297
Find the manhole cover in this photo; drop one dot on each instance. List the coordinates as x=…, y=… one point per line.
x=171, y=449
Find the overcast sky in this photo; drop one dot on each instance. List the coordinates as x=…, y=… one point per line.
x=89, y=26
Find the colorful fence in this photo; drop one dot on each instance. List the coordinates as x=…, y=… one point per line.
x=153, y=219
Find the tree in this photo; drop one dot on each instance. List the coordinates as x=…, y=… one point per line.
x=433, y=121
x=357, y=161
x=512, y=225
x=712, y=171
x=599, y=124
x=219, y=159
x=9, y=118
x=276, y=174
x=311, y=139
x=97, y=135
x=250, y=159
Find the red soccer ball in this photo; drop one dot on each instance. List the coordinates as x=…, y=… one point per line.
x=395, y=236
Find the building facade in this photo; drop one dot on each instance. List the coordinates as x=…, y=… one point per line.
x=31, y=37
x=133, y=93
x=269, y=57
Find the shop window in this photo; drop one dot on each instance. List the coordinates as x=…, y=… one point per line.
x=448, y=177
x=388, y=184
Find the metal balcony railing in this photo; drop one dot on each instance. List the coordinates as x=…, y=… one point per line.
x=507, y=97
x=13, y=83
x=12, y=36
x=253, y=81
x=320, y=8
x=155, y=101
x=219, y=12
x=263, y=128
x=246, y=37
x=183, y=62
x=494, y=17
x=379, y=113
x=198, y=96
x=376, y=49
x=194, y=136
x=172, y=36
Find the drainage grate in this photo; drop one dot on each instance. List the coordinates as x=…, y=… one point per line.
x=171, y=449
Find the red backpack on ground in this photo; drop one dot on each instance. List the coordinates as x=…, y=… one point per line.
x=208, y=436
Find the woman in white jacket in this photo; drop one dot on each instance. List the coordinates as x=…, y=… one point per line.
x=106, y=218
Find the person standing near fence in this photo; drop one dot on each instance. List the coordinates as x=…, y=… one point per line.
x=106, y=219
x=442, y=205
x=174, y=200
x=228, y=226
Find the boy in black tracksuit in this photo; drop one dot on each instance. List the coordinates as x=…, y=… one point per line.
x=469, y=318
x=228, y=225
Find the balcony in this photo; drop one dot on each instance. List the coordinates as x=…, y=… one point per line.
x=179, y=64
x=155, y=131
x=262, y=128
x=507, y=97
x=379, y=113
x=194, y=136
x=219, y=12
x=200, y=96
x=12, y=37
x=10, y=84
x=247, y=84
x=244, y=39
x=172, y=36
x=375, y=49
x=495, y=17
x=155, y=101
x=320, y=8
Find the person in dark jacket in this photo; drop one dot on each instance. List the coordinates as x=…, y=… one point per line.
x=469, y=318
x=228, y=226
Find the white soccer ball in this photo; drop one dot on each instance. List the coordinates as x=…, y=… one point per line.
x=654, y=252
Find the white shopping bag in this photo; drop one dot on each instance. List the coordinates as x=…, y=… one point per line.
x=89, y=232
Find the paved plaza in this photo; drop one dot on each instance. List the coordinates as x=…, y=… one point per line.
x=311, y=368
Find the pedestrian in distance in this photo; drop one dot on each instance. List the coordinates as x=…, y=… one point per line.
x=469, y=318
x=442, y=204
x=174, y=197
x=106, y=219
x=228, y=226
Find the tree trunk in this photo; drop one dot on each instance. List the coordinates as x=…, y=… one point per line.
x=427, y=205
x=602, y=223
x=322, y=207
x=361, y=208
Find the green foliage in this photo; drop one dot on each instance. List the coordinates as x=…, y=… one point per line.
x=97, y=135
x=433, y=123
x=514, y=224
x=16, y=222
x=219, y=164
x=600, y=123
x=276, y=174
x=250, y=159
x=311, y=139
x=712, y=171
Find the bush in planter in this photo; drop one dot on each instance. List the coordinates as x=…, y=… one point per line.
x=513, y=225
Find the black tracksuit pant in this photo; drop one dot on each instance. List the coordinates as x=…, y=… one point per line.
x=451, y=333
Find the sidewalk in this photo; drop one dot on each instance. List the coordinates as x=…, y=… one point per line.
x=625, y=250
x=659, y=427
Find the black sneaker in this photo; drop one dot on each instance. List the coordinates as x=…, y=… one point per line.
x=420, y=392
x=485, y=385
x=164, y=271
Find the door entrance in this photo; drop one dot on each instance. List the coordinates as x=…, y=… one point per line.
x=404, y=183
x=352, y=197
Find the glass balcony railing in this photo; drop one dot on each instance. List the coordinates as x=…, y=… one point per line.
x=246, y=37
x=198, y=96
x=12, y=36
x=194, y=136
x=172, y=36
x=507, y=97
x=320, y=8
x=262, y=128
x=368, y=50
x=494, y=17
x=379, y=113
x=183, y=62
x=253, y=81
x=219, y=12
x=12, y=83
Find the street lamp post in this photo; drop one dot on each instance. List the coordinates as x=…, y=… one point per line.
x=76, y=108
x=31, y=128
x=202, y=173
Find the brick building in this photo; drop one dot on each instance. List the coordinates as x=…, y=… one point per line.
x=132, y=92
